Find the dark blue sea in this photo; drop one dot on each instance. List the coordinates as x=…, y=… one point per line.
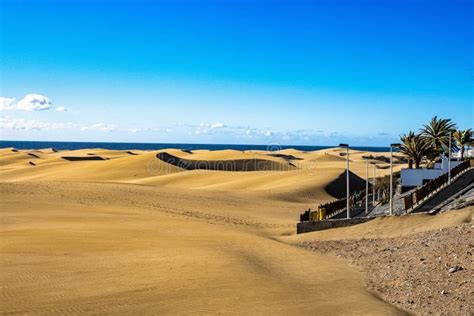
x=157, y=146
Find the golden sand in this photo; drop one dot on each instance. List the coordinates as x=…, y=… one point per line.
x=133, y=234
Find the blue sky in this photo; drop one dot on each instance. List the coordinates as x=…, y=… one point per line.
x=256, y=72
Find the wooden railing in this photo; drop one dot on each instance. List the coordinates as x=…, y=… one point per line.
x=330, y=209
x=419, y=195
x=304, y=217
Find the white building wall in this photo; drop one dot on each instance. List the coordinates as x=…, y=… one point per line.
x=444, y=165
x=415, y=177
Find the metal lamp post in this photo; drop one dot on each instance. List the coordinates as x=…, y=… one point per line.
x=391, y=175
x=347, y=178
x=367, y=187
x=373, y=185
x=449, y=160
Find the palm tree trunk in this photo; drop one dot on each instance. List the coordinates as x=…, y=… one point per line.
x=410, y=163
x=417, y=164
x=462, y=153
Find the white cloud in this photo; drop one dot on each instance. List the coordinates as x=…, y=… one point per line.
x=31, y=102
x=5, y=102
x=60, y=109
x=218, y=125
x=20, y=124
x=254, y=132
x=34, y=102
x=203, y=128
x=100, y=127
x=7, y=122
x=133, y=130
x=207, y=128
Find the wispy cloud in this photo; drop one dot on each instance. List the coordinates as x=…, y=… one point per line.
x=133, y=130
x=31, y=102
x=7, y=122
x=5, y=102
x=208, y=128
x=205, y=132
x=255, y=132
x=218, y=125
x=100, y=127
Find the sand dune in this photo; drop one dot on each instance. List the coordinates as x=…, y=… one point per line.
x=12, y=158
x=122, y=168
x=327, y=158
x=233, y=165
x=83, y=158
x=293, y=152
x=307, y=171
x=114, y=254
x=47, y=150
x=134, y=234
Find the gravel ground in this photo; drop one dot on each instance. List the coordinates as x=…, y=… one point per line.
x=426, y=273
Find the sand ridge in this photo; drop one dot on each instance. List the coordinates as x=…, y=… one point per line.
x=133, y=234
x=103, y=248
x=314, y=169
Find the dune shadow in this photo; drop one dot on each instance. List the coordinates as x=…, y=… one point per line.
x=33, y=155
x=285, y=157
x=75, y=158
x=337, y=188
x=238, y=165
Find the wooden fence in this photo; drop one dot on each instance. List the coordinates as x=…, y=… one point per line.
x=420, y=194
x=330, y=209
x=304, y=217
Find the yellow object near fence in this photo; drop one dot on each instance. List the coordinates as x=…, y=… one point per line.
x=322, y=214
x=314, y=216
x=330, y=209
x=318, y=215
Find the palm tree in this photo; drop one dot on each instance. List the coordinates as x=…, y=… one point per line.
x=415, y=147
x=406, y=140
x=436, y=134
x=463, y=139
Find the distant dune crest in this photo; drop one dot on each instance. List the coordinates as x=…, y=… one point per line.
x=233, y=165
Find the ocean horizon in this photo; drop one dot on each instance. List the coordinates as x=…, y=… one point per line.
x=59, y=145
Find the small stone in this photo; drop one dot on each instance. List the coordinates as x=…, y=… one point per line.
x=455, y=269
x=443, y=292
